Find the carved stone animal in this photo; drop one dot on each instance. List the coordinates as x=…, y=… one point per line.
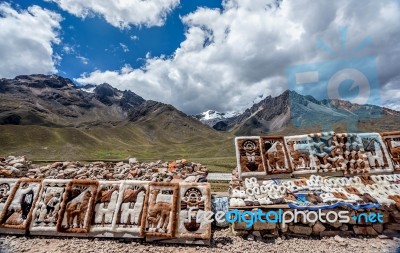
x=159, y=212
x=77, y=207
x=276, y=158
x=128, y=212
x=104, y=195
x=299, y=156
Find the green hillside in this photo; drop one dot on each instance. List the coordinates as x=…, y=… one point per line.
x=39, y=143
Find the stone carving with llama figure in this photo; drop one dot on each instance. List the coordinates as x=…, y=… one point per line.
x=301, y=157
x=132, y=205
x=106, y=202
x=276, y=157
x=159, y=212
x=77, y=208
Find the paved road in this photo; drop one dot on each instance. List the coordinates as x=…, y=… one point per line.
x=219, y=176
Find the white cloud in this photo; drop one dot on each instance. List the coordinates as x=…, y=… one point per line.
x=124, y=47
x=26, y=40
x=84, y=60
x=122, y=13
x=134, y=37
x=233, y=55
x=68, y=49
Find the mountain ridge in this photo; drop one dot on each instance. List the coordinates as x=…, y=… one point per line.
x=290, y=108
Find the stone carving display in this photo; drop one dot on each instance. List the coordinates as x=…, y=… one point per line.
x=17, y=212
x=275, y=155
x=77, y=207
x=249, y=158
x=300, y=154
x=195, y=203
x=47, y=209
x=392, y=142
x=160, y=210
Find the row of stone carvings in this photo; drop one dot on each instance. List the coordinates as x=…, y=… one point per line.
x=133, y=209
x=352, y=153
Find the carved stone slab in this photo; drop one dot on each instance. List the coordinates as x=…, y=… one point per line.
x=194, y=206
x=17, y=212
x=130, y=209
x=249, y=157
x=160, y=210
x=77, y=207
x=376, y=152
x=328, y=152
x=48, y=207
x=106, y=204
x=353, y=152
x=300, y=154
x=275, y=155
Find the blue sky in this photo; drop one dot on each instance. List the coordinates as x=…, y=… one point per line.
x=207, y=54
x=100, y=43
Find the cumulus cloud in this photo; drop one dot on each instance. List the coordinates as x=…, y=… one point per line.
x=26, y=41
x=232, y=56
x=122, y=13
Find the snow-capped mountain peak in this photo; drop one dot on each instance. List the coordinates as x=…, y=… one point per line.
x=211, y=114
x=211, y=117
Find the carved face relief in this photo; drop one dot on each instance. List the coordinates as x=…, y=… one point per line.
x=195, y=203
x=249, y=158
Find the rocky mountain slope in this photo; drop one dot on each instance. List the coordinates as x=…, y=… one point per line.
x=49, y=117
x=291, y=109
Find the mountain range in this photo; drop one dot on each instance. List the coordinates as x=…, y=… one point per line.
x=50, y=117
x=290, y=109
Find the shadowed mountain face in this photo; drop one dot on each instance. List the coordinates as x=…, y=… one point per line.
x=49, y=117
x=56, y=101
x=50, y=100
x=291, y=109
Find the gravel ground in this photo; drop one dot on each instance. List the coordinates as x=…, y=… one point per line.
x=222, y=241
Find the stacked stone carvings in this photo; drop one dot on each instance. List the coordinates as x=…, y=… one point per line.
x=322, y=171
x=155, y=210
x=128, y=208
x=350, y=153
